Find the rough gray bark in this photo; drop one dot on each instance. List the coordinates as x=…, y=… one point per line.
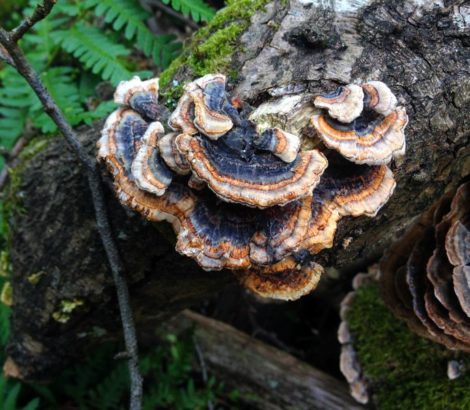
x=422, y=52
x=421, y=49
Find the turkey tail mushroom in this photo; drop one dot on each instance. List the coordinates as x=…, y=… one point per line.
x=374, y=137
x=205, y=108
x=378, y=97
x=270, y=207
x=263, y=182
x=141, y=96
x=148, y=169
x=433, y=257
x=284, y=280
x=345, y=104
x=310, y=224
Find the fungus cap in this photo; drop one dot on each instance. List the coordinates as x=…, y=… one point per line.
x=141, y=96
x=181, y=119
x=170, y=154
x=435, y=299
x=379, y=97
x=217, y=236
x=285, y=280
x=118, y=149
x=204, y=107
x=148, y=169
x=345, y=104
x=364, y=141
x=120, y=139
x=263, y=182
x=282, y=144
x=310, y=224
x=272, y=205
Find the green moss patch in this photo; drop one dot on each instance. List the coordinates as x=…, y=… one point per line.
x=12, y=202
x=403, y=370
x=211, y=48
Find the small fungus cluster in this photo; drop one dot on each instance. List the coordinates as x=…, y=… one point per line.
x=425, y=276
x=349, y=362
x=248, y=198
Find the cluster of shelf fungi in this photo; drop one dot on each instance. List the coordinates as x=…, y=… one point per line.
x=426, y=275
x=424, y=279
x=249, y=198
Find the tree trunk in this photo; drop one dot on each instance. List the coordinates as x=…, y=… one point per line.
x=63, y=294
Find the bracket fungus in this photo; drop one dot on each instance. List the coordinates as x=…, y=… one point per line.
x=285, y=280
x=349, y=362
x=426, y=274
x=261, y=182
x=344, y=104
x=238, y=196
x=139, y=95
x=374, y=135
x=150, y=172
x=205, y=107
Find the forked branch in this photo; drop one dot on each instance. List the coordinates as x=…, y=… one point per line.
x=12, y=54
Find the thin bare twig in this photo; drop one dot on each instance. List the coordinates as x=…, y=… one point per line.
x=5, y=57
x=41, y=11
x=8, y=40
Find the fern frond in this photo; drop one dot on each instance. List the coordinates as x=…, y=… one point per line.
x=110, y=391
x=101, y=111
x=67, y=7
x=129, y=17
x=62, y=86
x=11, y=397
x=197, y=9
x=4, y=322
x=96, y=51
x=16, y=97
x=32, y=405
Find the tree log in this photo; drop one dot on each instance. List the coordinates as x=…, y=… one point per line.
x=267, y=378
x=62, y=290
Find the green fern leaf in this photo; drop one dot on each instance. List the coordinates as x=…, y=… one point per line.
x=4, y=323
x=101, y=111
x=16, y=97
x=62, y=86
x=110, y=391
x=12, y=122
x=197, y=9
x=32, y=405
x=9, y=401
x=129, y=17
x=97, y=52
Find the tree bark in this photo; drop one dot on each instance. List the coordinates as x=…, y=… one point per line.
x=63, y=296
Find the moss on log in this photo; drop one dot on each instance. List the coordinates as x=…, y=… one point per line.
x=399, y=366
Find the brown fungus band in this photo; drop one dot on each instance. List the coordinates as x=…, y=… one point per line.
x=239, y=197
x=425, y=276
